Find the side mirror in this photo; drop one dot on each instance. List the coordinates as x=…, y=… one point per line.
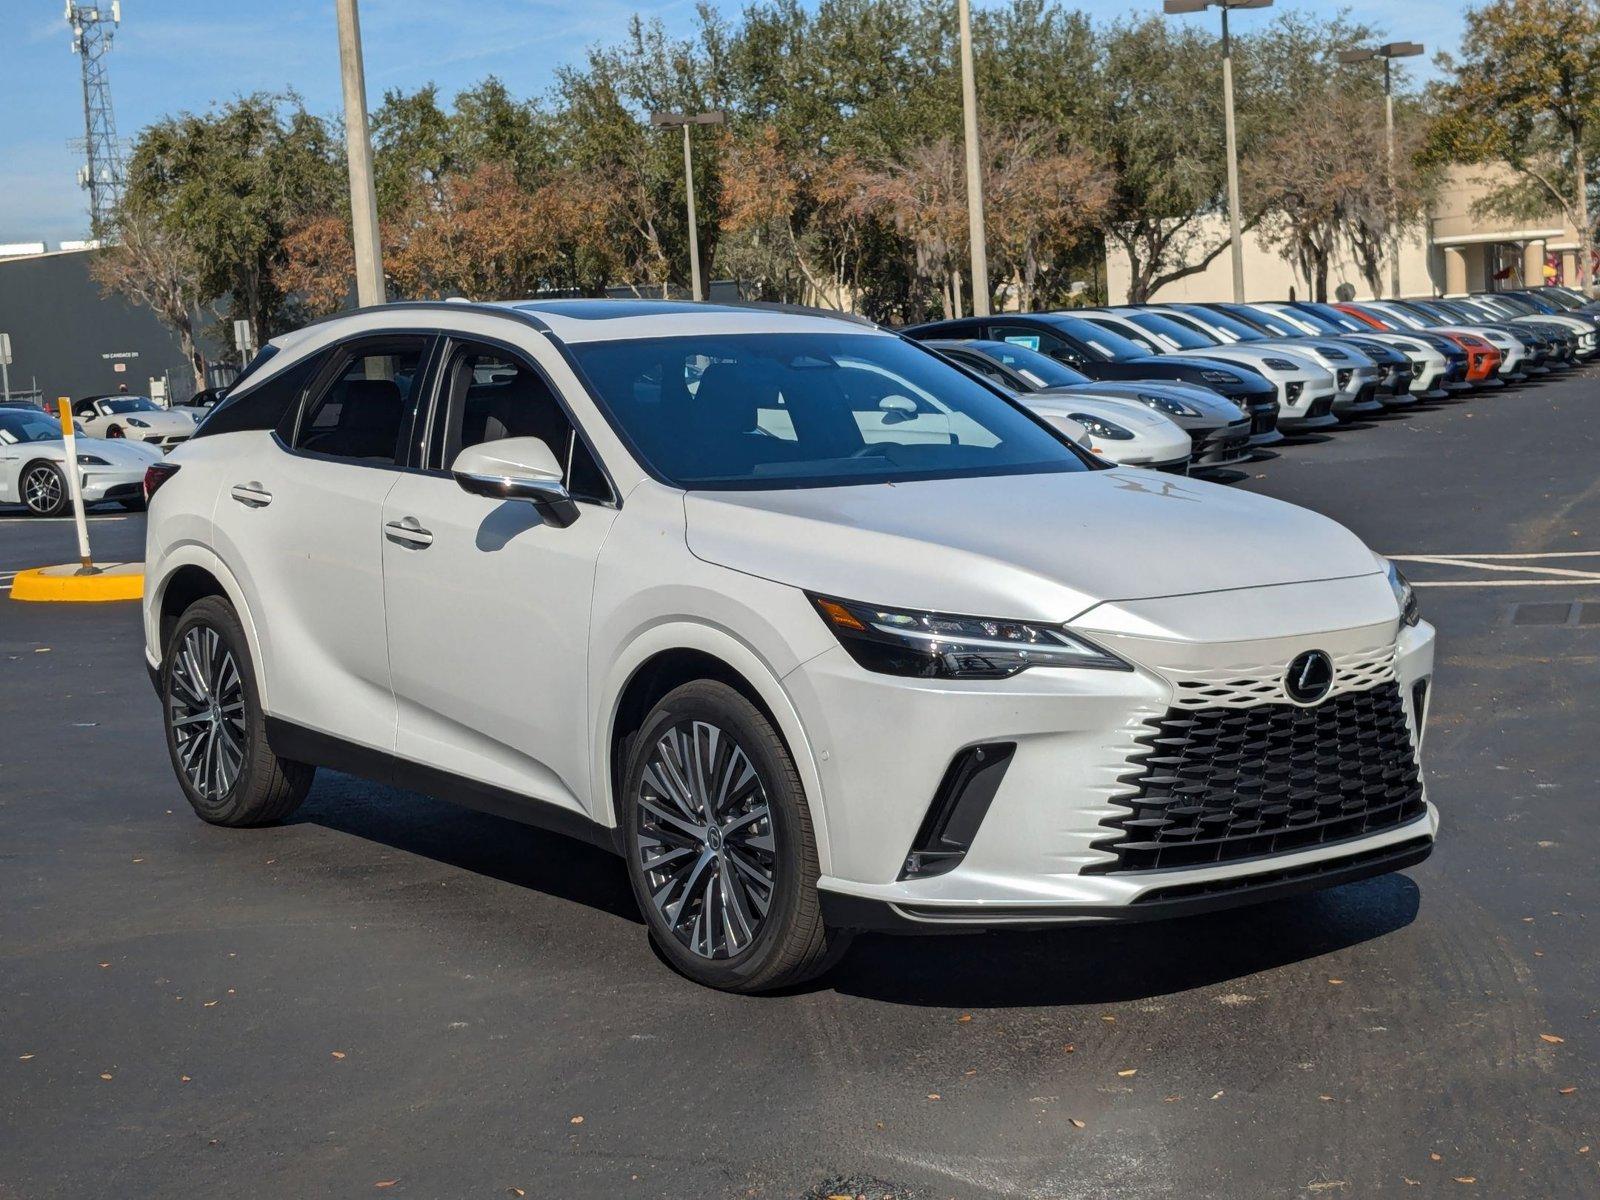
x=897, y=408
x=520, y=468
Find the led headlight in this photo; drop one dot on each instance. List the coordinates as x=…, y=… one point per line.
x=1165, y=404
x=1102, y=428
x=930, y=645
x=138, y=424
x=1405, y=596
x=1279, y=364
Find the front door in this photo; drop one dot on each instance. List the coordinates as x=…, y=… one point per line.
x=487, y=605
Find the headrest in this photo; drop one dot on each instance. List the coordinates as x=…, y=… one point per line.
x=728, y=399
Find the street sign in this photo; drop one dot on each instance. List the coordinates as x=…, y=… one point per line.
x=244, y=338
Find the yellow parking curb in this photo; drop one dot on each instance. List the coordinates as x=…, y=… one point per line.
x=113, y=581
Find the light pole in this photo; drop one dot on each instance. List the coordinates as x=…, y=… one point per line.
x=969, y=129
x=358, y=151
x=1388, y=53
x=667, y=120
x=1235, y=235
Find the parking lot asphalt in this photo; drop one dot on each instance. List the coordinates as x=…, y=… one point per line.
x=388, y=993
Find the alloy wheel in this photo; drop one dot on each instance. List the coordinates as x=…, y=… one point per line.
x=706, y=843
x=206, y=711
x=41, y=490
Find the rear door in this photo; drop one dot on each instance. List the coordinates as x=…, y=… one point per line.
x=301, y=516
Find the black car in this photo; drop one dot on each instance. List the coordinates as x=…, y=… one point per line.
x=1104, y=354
x=1218, y=428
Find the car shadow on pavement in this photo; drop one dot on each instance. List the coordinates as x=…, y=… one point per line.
x=1105, y=963
x=495, y=847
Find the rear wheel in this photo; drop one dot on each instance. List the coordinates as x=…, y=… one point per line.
x=720, y=849
x=216, y=731
x=44, y=489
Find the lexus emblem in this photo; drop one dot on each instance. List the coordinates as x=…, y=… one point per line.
x=1309, y=677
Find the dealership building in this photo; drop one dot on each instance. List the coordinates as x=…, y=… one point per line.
x=1452, y=250
x=70, y=339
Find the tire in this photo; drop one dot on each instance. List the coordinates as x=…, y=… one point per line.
x=43, y=488
x=701, y=920
x=135, y=506
x=115, y=432
x=262, y=788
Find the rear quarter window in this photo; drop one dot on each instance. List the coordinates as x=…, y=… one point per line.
x=261, y=405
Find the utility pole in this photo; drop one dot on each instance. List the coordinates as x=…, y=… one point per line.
x=370, y=288
x=969, y=129
x=1388, y=53
x=1235, y=230
x=684, y=120
x=101, y=174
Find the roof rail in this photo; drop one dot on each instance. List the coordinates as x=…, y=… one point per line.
x=455, y=304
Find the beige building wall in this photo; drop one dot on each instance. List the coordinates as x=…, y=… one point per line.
x=1453, y=251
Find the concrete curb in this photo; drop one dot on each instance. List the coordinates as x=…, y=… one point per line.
x=114, y=581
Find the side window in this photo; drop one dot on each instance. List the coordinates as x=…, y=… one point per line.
x=261, y=404
x=976, y=362
x=1041, y=340
x=488, y=394
x=363, y=412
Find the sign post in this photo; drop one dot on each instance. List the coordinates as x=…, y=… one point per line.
x=5, y=362
x=244, y=340
x=69, y=435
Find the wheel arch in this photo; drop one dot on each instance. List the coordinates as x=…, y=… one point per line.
x=190, y=573
x=667, y=656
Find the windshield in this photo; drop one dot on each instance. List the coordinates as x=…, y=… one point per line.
x=1342, y=322
x=802, y=410
x=1038, y=369
x=128, y=404
x=1221, y=320
x=1313, y=321
x=18, y=427
x=1169, y=330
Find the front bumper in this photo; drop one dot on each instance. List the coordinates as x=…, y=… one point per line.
x=111, y=483
x=1039, y=855
x=1220, y=446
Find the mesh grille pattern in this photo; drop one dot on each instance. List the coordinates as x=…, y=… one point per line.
x=1221, y=784
x=1357, y=672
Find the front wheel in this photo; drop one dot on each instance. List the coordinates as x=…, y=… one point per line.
x=719, y=844
x=44, y=489
x=216, y=731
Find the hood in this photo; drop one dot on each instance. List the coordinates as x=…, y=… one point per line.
x=164, y=420
x=1028, y=547
x=119, y=452
x=1203, y=399
x=1098, y=402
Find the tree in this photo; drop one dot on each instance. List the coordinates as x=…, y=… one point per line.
x=1526, y=94
x=154, y=266
x=230, y=185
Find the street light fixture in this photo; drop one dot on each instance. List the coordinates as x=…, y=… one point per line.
x=1388, y=52
x=668, y=120
x=1178, y=7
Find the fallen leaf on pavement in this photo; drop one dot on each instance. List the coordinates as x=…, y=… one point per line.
x=1171, y=1099
x=1336, y=982
x=24, y=1057
x=1075, y=1123
x=1566, y=1091
x=575, y=1121
x=1436, y=1156
x=105, y=1075
x=1466, y=1179
x=386, y=1183
x=933, y=1096
x=515, y=1191
x=1551, y=1038
x=336, y=1054
x=1131, y=1071
x=183, y=1079
x=963, y=1018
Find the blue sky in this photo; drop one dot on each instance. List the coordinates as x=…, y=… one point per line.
x=172, y=55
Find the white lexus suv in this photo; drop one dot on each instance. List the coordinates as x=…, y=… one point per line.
x=819, y=632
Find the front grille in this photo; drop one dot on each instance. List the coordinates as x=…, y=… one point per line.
x=1263, y=422
x=1223, y=445
x=1321, y=406
x=1216, y=785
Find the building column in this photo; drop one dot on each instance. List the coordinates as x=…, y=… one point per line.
x=1569, y=268
x=1533, y=263
x=1455, y=270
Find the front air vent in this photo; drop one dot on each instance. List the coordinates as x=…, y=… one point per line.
x=959, y=806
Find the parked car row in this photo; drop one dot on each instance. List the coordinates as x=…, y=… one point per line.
x=1231, y=377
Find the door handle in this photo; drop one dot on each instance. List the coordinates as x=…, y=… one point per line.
x=251, y=495
x=407, y=532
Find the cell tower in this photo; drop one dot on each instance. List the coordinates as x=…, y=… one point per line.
x=92, y=28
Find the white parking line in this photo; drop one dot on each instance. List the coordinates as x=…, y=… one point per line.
x=1495, y=566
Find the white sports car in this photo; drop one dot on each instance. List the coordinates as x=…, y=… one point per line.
x=137, y=418
x=33, y=459
x=1121, y=431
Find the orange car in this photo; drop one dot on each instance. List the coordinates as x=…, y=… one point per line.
x=1483, y=358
